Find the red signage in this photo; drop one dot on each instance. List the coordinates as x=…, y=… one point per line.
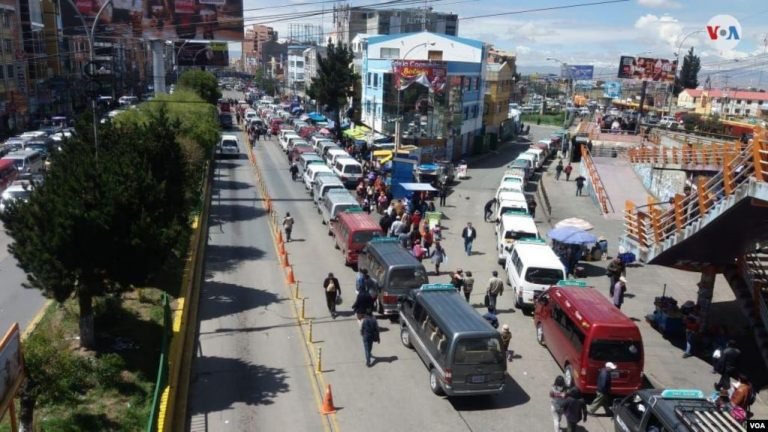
x=647, y=69
x=430, y=74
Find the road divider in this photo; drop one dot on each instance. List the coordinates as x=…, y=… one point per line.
x=319, y=364
x=290, y=278
x=303, y=309
x=309, y=331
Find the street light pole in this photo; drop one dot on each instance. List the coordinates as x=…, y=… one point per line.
x=91, y=56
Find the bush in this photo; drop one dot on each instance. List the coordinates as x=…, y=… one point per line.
x=108, y=369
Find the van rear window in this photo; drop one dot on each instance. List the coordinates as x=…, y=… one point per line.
x=615, y=351
x=353, y=169
x=478, y=351
x=543, y=276
x=408, y=278
x=361, y=237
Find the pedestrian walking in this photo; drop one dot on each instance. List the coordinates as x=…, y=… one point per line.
x=369, y=330
x=288, y=226
x=490, y=316
x=574, y=409
x=691, y=332
x=488, y=209
x=438, y=256
x=618, y=292
x=616, y=269
x=443, y=194
x=557, y=397
x=568, y=170
x=580, y=185
x=294, y=171
x=457, y=280
x=418, y=250
x=468, y=234
x=495, y=289
x=558, y=169
x=506, y=338
x=363, y=304
x=603, y=397
x=332, y=293
x=397, y=227
x=469, y=284
x=727, y=365
x=532, y=207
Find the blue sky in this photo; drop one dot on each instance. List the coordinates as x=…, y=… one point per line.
x=586, y=35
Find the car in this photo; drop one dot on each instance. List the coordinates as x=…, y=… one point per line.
x=128, y=100
x=229, y=146
x=667, y=121
x=225, y=121
x=18, y=190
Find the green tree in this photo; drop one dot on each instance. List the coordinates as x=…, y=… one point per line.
x=266, y=83
x=102, y=224
x=689, y=73
x=335, y=80
x=203, y=83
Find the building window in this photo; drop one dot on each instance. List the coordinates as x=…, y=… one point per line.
x=2, y=73
x=475, y=111
x=389, y=53
x=375, y=80
x=368, y=79
x=467, y=83
x=299, y=64
x=7, y=46
x=435, y=55
x=6, y=19
x=747, y=111
x=9, y=68
x=477, y=83
x=466, y=113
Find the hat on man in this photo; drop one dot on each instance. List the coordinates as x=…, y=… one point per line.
x=505, y=327
x=623, y=279
x=611, y=365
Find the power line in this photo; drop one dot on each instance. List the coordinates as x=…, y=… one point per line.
x=551, y=8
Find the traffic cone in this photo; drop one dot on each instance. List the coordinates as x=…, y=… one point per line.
x=284, y=259
x=290, y=278
x=279, y=235
x=280, y=249
x=328, y=407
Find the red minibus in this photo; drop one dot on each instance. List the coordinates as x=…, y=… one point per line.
x=583, y=331
x=352, y=230
x=274, y=125
x=8, y=173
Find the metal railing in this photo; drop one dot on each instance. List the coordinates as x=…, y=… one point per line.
x=597, y=184
x=162, y=370
x=712, y=155
x=754, y=267
x=663, y=220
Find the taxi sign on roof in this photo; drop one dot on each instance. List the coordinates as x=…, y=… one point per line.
x=682, y=394
x=438, y=287
x=532, y=241
x=384, y=240
x=572, y=282
x=517, y=212
x=354, y=210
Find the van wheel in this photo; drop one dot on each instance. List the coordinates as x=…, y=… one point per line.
x=518, y=303
x=568, y=375
x=434, y=383
x=336, y=245
x=405, y=338
x=380, y=307
x=540, y=334
x=322, y=221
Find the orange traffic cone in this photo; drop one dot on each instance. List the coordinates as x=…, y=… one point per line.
x=280, y=249
x=284, y=259
x=279, y=236
x=290, y=278
x=328, y=407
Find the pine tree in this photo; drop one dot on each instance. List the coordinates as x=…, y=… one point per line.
x=689, y=73
x=335, y=80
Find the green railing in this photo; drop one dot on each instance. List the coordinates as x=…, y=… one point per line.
x=162, y=368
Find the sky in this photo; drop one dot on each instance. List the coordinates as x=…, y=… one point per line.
x=594, y=34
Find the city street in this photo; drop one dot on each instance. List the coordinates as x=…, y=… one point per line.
x=17, y=304
x=245, y=323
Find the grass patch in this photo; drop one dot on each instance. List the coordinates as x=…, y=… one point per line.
x=547, y=119
x=109, y=389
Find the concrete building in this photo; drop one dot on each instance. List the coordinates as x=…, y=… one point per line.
x=499, y=81
x=310, y=62
x=255, y=37
x=13, y=76
x=349, y=21
x=729, y=103
x=438, y=100
x=294, y=78
x=358, y=46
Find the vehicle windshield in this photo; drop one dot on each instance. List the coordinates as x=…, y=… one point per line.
x=17, y=194
x=353, y=169
x=407, y=278
x=362, y=237
x=615, y=350
x=517, y=235
x=18, y=163
x=485, y=350
x=543, y=276
x=507, y=208
x=229, y=143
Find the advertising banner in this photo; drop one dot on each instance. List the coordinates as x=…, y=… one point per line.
x=11, y=367
x=202, y=54
x=430, y=74
x=220, y=20
x=612, y=89
x=647, y=69
x=577, y=72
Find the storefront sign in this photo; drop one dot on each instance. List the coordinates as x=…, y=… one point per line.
x=430, y=74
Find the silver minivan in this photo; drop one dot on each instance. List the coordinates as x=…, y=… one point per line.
x=459, y=347
x=335, y=202
x=322, y=186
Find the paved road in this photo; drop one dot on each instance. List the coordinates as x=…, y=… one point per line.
x=17, y=304
x=250, y=370
x=394, y=393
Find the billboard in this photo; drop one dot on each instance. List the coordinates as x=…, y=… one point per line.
x=202, y=54
x=157, y=19
x=612, y=89
x=11, y=367
x=647, y=69
x=430, y=74
x=577, y=72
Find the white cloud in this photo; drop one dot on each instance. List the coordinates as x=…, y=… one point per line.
x=667, y=4
x=522, y=50
x=665, y=28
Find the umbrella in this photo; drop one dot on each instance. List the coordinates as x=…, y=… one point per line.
x=571, y=235
x=576, y=223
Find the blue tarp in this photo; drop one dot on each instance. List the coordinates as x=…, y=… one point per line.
x=315, y=117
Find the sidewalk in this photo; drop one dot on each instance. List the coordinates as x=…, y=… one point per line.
x=664, y=365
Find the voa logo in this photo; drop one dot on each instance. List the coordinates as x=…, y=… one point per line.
x=724, y=32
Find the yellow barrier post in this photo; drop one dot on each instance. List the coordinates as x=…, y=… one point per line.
x=303, y=308
x=319, y=363
x=309, y=331
x=296, y=291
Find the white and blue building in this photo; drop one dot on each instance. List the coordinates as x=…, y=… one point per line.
x=444, y=122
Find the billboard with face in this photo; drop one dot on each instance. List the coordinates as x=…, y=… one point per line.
x=157, y=19
x=430, y=74
x=647, y=69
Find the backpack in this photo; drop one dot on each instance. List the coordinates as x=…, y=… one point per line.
x=331, y=287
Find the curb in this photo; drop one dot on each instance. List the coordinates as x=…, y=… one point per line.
x=36, y=320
